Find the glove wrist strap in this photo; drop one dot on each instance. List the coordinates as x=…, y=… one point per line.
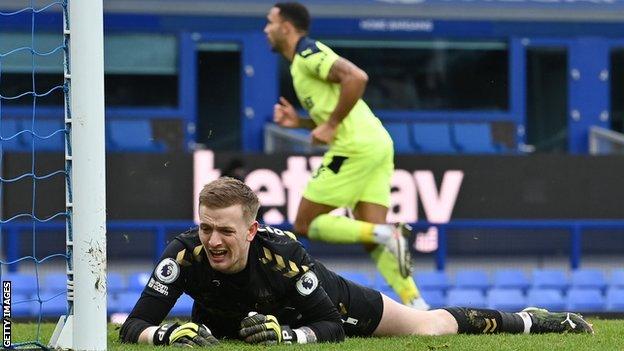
x=161, y=336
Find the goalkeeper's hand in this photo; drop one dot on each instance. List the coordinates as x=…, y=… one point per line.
x=260, y=329
x=186, y=335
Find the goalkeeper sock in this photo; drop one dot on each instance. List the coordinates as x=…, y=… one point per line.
x=484, y=321
x=388, y=266
x=341, y=230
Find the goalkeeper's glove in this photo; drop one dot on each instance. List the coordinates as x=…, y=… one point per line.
x=187, y=335
x=260, y=329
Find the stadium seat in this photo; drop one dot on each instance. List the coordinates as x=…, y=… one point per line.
x=550, y=279
x=433, y=138
x=132, y=135
x=510, y=279
x=51, y=135
x=54, y=283
x=10, y=127
x=509, y=300
x=550, y=299
x=138, y=281
x=617, y=279
x=115, y=283
x=183, y=307
x=588, y=279
x=400, y=133
x=357, y=277
x=474, y=138
x=126, y=301
x=466, y=297
x=435, y=298
x=21, y=307
x=584, y=300
x=432, y=280
x=23, y=284
x=615, y=300
x=471, y=279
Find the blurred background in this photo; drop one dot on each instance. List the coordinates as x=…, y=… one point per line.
x=507, y=119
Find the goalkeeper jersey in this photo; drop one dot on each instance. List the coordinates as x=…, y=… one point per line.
x=360, y=131
x=280, y=279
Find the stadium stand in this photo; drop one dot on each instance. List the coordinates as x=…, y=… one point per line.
x=510, y=279
x=615, y=299
x=550, y=279
x=585, y=300
x=132, y=135
x=432, y=280
x=474, y=138
x=466, y=297
x=433, y=138
x=509, y=300
x=472, y=279
x=400, y=133
x=550, y=299
x=588, y=279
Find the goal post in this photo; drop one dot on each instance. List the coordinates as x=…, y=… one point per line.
x=85, y=326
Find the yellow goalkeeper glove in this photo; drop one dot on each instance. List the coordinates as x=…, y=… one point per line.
x=260, y=329
x=186, y=335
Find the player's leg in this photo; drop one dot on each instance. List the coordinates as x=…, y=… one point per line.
x=401, y=320
x=388, y=262
x=335, y=184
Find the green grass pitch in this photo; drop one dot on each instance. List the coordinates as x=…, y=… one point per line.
x=608, y=337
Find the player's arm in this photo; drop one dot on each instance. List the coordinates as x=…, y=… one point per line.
x=285, y=115
x=164, y=287
x=352, y=82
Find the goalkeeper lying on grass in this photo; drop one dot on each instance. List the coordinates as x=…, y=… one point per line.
x=260, y=285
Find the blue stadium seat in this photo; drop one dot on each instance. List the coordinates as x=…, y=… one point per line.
x=9, y=127
x=432, y=280
x=588, y=279
x=357, y=277
x=510, y=279
x=466, y=298
x=51, y=135
x=21, y=307
x=550, y=299
x=24, y=284
x=183, y=307
x=509, y=300
x=433, y=138
x=435, y=298
x=474, y=138
x=132, y=135
x=550, y=279
x=615, y=299
x=584, y=300
x=471, y=279
x=138, y=281
x=115, y=283
x=54, y=283
x=400, y=133
x=125, y=301
x=617, y=279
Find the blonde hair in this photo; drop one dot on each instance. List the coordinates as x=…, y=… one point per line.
x=225, y=192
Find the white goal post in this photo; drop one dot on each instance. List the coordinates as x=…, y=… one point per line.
x=85, y=326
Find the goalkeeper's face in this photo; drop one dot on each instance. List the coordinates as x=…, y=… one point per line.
x=226, y=235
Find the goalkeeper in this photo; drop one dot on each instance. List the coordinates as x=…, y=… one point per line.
x=357, y=170
x=258, y=284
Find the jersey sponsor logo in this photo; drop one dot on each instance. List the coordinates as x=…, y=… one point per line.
x=307, y=283
x=167, y=271
x=158, y=287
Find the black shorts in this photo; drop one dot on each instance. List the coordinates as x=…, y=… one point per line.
x=362, y=312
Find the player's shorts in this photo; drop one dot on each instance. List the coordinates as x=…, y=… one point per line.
x=344, y=180
x=362, y=313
